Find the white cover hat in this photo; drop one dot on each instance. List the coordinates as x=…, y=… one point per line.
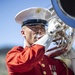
x=33, y=13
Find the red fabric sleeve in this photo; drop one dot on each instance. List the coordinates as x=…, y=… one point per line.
x=23, y=60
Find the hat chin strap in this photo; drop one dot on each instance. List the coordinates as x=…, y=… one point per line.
x=24, y=43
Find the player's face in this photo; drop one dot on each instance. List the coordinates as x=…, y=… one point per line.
x=33, y=33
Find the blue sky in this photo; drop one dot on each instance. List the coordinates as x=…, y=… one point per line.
x=9, y=29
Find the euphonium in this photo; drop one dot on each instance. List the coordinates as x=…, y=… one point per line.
x=64, y=37
x=65, y=10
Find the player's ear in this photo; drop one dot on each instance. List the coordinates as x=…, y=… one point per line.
x=23, y=33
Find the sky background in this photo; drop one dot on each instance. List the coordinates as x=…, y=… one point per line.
x=9, y=29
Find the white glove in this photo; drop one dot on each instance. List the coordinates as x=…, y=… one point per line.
x=45, y=41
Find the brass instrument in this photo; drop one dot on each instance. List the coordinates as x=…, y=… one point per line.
x=64, y=39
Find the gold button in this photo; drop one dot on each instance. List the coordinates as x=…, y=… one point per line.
x=43, y=65
x=44, y=72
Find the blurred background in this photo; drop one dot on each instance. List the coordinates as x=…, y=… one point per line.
x=9, y=30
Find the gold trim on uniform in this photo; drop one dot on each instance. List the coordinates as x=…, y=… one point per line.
x=43, y=65
x=44, y=72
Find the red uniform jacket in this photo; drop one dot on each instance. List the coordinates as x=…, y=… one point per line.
x=32, y=61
